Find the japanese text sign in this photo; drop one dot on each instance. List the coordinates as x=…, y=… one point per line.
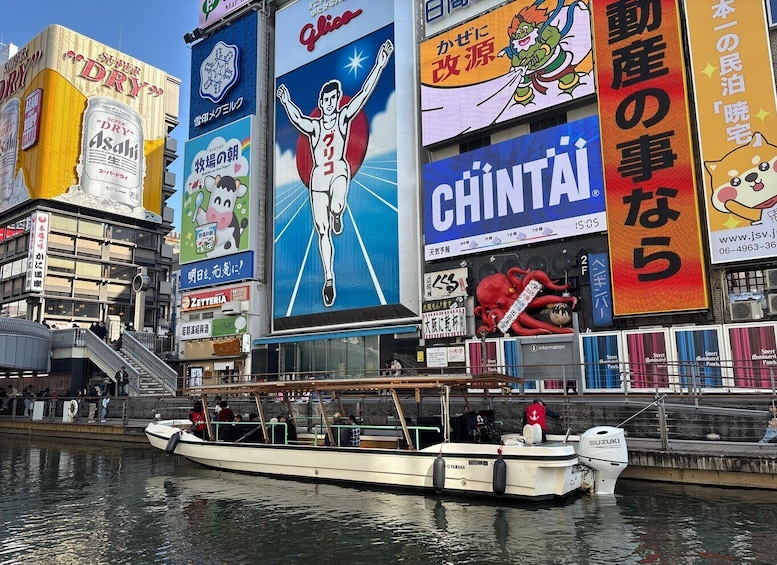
x=737, y=126
x=652, y=211
x=516, y=60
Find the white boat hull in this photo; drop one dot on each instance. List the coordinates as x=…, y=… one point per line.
x=532, y=472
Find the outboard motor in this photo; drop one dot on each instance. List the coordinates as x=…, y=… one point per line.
x=603, y=449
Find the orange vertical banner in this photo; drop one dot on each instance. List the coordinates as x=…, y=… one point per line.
x=654, y=233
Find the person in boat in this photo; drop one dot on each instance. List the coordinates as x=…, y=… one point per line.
x=225, y=415
x=255, y=435
x=339, y=433
x=197, y=417
x=291, y=429
x=354, y=434
x=538, y=413
x=216, y=408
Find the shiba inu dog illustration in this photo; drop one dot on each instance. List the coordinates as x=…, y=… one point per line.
x=744, y=181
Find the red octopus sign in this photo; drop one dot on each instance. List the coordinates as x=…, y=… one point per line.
x=515, y=297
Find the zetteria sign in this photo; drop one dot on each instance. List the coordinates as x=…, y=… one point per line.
x=538, y=187
x=214, y=298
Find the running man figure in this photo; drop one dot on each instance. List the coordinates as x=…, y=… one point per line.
x=331, y=174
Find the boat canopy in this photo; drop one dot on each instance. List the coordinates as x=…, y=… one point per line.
x=462, y=383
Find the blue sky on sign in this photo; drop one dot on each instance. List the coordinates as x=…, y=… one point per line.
x=149, y=30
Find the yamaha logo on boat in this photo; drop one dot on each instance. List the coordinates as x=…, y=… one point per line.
x=455, y=467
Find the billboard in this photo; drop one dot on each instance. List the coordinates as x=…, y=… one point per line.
x=214, y=298
x=224, y=75
x=216, y=197
x=753, y=349
x=656, y=255
x=216, y=327
x=513, y=61
x=699, y=352
x=222, y=270
x=649, y=355
x=602, y=360
x=36, y=255
x=344, y=202
x=82, y=123
x=737, y=128
x=441, y=14
x=539, y=187
x=211, y=11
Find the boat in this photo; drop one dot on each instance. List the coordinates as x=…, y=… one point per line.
x=451, y=454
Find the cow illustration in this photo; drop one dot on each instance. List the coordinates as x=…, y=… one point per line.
x=221, y=229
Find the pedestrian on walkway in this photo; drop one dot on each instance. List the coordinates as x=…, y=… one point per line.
x=104, y=411
x=28, y=396
x=122, y=380
x=93, y=402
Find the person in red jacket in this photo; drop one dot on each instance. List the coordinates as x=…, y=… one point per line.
x=537, y=413
x=197, y=416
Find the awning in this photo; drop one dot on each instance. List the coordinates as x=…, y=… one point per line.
x=408, y=329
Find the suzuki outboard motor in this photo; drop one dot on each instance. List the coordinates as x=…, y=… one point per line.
x=603, y=449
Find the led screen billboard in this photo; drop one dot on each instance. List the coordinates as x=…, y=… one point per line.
x=519, y=59
x=215, y=218
x=543, y=186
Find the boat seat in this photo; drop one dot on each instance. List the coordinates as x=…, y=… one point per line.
x=532, y=434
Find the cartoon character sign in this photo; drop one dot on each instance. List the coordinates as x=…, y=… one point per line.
x=471, y=80
x=537, y=55
x=215, y=214
x=218, y=224
x=336, y=245
x=744, y=181
x=329, y=175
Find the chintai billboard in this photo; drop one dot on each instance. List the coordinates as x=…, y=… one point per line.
x=539, y=187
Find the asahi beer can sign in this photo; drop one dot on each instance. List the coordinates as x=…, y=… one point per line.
x=9, y=135
x=112, y=161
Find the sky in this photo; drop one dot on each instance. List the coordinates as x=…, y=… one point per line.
x=149, y=30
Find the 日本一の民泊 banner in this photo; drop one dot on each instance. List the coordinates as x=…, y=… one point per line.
x=736, y=112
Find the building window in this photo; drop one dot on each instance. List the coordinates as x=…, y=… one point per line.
x=123, y=234
x=62, y=243
x=549, y=122
x=60, y=265
x=473, y=144
x=86, y=227
x=64, y=223
x=741, y=284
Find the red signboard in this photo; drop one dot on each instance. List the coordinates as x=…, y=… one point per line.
x=656, y=253
x=213, y=298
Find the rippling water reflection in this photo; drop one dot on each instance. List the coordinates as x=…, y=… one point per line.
x=77, y=503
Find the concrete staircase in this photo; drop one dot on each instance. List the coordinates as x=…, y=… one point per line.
x=147, y=384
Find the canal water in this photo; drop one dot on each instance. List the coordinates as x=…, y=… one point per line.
x=73, y=503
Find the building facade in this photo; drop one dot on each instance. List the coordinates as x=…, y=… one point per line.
x=577, y=193
x=84, y=151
